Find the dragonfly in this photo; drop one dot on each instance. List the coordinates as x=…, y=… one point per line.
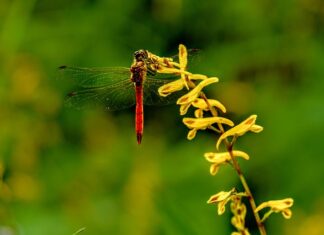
x=119, y=88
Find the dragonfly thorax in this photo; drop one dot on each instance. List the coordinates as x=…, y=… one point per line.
x=138, y=72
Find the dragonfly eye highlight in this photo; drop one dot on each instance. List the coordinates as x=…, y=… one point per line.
x=141, y=55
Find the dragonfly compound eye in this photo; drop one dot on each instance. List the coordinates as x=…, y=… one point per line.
x=141, y=55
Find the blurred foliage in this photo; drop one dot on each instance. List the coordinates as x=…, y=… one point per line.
x=63, y=169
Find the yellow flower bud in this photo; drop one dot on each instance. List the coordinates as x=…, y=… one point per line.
x=241, y=129
x=184, y=109
x=191, y=134
x=277, y=206
x=171, y=87
x=193, y=94
x=197, y=77
x=199, y=113
x=218, y=159
x=202, y=104
x=203, y=123
x=183, y=54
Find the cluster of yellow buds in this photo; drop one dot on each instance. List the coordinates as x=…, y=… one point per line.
x=237, y=207
x=239, y=212
x=195, y=97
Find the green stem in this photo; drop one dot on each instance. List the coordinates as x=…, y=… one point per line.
x=247, y=189
x=229, y=147
x=266, y=215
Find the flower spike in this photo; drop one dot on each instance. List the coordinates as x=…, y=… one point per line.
x=206, y=115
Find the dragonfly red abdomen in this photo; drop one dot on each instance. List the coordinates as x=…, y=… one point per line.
x=139, y=116
x=138, y=70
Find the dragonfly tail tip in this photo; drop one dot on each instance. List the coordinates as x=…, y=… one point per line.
x=139, y=138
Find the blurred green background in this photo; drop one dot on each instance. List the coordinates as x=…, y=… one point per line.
x=64, y=169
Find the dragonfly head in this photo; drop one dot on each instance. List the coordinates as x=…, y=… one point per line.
x=140, y=55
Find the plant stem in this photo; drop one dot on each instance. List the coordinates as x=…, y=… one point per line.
x=229, y=147
x=246, y=188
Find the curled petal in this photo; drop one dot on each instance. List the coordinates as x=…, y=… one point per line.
x=221, y=196
x=191, y=134
x=221, y=206
x=240, y=129
x=184, y=108
x=171, y=87
x=286, y=213
x=183, y=57
x=237, y=153
x=213, y=169
x=203, y=123
x=201, y=104
x=225, y=156
x=276, y=205
x=218, y=159
x=197, y=77
x=256, y=128
x=170, y=70
x=282, y=204
x=193, y=94
x=183, y=60
x=243, y=127
x=199, y=113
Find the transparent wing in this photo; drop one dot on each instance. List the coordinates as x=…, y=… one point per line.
x=109, y=87
x=112, y=87
x=151, y=94
x=95, y=77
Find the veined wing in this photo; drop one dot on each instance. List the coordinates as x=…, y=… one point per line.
x=151, y=86
x=107, y=87
x=95, y=77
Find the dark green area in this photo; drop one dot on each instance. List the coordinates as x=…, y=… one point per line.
x=65, y=169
